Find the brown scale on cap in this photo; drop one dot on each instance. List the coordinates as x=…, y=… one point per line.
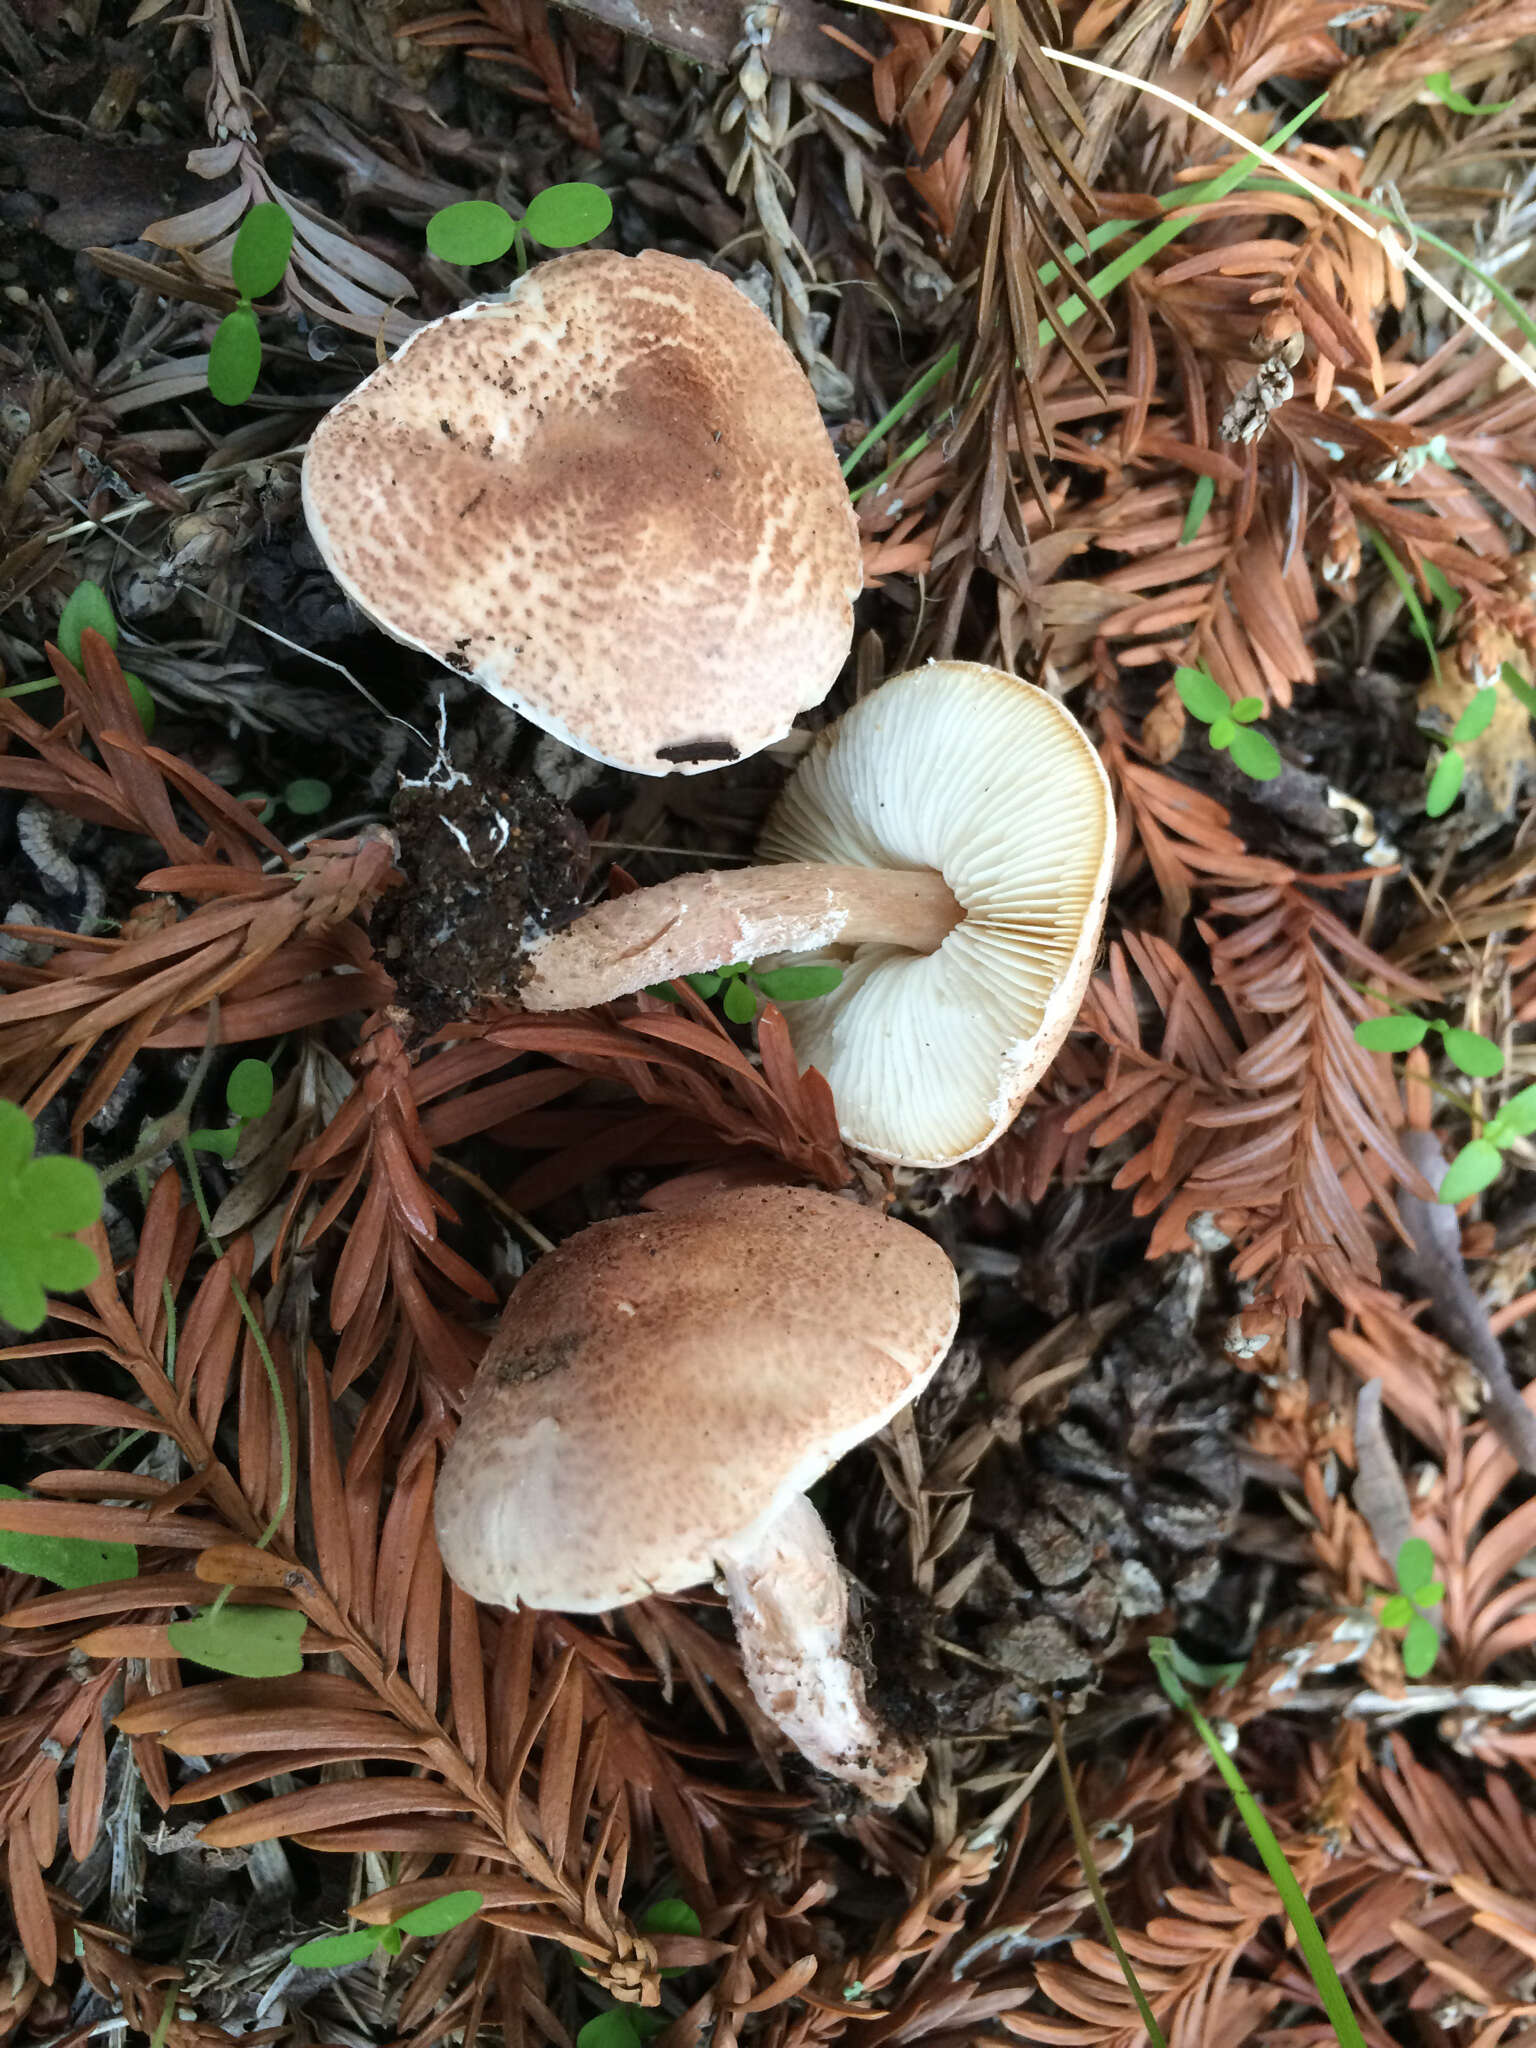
x=610, y=499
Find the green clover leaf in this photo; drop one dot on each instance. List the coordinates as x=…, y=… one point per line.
x=612, y=2029
x=1478, y=716
x=1255, y=755
x=234, y=357
x=1397, y=1612
x=143, y=703
x=1396, y=1033
x=249, y=1642
x=471, y=231
x=1415, y=1565
x=1517, y=1119
x=799, y=984
x=306, y=796
x=1421, y=1646
x=670, y=1916
x=249, y=1090
x=1445, y=783
x=1476, y=1166
x=262, y=248
x=42, y=1203
x=740, y=1004
x=1471, y=1052
x=88, y=608
x=438, y=1916
x=1202, y=696
x=67, y=1561
x=331, y=1951
x=565, y=216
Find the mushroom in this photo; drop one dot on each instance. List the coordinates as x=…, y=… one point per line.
x=951, y=840
x=661, y=1391
x=609, y=498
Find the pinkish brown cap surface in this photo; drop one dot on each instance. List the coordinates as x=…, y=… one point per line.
x=609, y=498
x=662, y=1385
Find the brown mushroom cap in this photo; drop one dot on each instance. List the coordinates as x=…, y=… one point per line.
x=661, y=1385
x=610, y=499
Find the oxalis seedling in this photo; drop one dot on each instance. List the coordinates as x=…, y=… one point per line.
x=248, y=1094
x=43, y=1203
x=1401, y=1031
x=437, y=1916
x=1480, y=1161
x=1417, y=1589
x=306, y=796
x=1451, y=768
x=89, y=606
x=1230, y=727
x=258, y=263
x=479, y=231
x=777, y=984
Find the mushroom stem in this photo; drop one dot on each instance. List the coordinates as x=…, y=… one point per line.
x=699, y=922
x=790, y=1606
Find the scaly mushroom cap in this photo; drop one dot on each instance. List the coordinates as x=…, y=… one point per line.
x=661, y=1385
x=989, y=780
x=610, y=499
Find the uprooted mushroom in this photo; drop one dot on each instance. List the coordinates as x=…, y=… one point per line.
x=950, y=840
x=661, y=1391
x=608, y=497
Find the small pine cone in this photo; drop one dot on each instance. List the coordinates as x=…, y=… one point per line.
x=630, y=1973
x=1115, y=1512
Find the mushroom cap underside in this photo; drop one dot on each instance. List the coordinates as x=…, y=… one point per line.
x=990, y=781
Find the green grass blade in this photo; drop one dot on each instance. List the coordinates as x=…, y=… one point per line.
x=1410, y=595
x=1309, y=1935
x=1096, y=1887
x=1073, y=308
x=898, y=412
x=1156, y=238
x=1199, y=504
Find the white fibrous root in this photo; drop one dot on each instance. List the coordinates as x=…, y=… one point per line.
x=700, y=922
x=789, y=1602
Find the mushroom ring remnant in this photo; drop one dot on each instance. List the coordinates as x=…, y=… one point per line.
x=660, y=1393
x=951, y=841
x=609, y=498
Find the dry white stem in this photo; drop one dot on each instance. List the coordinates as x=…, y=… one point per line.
x=790, y=1606
x=700, y=922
